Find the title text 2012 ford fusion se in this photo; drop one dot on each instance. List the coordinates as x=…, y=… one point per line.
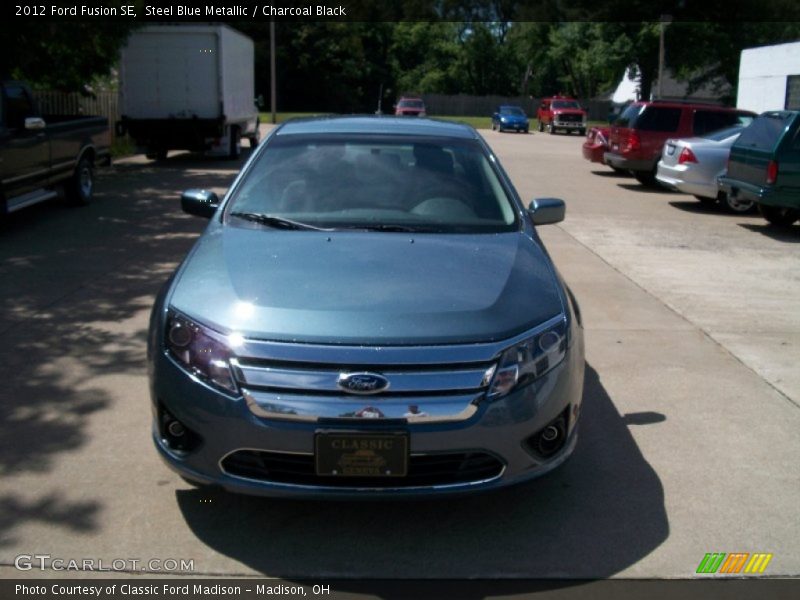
x=370, y=312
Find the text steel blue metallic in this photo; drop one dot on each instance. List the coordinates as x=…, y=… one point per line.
x=370, y=312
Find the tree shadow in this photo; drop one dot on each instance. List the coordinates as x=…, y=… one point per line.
x=789, y=234
x=599, y=513
x=76, y=285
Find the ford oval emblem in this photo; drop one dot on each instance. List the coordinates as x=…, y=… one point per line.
x=362, y=383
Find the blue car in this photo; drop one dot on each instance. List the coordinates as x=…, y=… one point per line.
x=370, y=312
x=511, y=118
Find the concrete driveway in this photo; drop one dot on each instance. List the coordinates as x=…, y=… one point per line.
x=689, y=437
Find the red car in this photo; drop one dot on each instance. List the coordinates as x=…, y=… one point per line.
x=410, y=107
x=596, y=144
x=638, y=135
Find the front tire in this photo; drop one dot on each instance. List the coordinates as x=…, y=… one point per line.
x=780, y=216
x=551, y=129
x=540, y=127
x=80, y=187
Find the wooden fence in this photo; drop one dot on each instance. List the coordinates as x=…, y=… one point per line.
x=464, y=105
x=104, y=104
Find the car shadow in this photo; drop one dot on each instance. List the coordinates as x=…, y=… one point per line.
x=790, y=234
x=697, y=207
x=599, y=513
x=646, y=189
x=614, y=174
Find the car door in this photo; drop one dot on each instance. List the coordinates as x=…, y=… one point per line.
x=25, y=152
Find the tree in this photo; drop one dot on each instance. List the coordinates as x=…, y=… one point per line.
x=66, y=55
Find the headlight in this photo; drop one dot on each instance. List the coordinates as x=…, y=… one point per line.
x=201, y=351
x=530, y=359
x=503, y=119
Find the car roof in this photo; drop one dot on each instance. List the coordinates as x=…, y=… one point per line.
x=381, y=124
x=691, y=105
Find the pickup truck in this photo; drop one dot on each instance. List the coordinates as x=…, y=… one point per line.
x=561, y=112
x=764, y=166
x=41, y=154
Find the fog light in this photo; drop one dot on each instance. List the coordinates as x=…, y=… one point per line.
x=174, y=434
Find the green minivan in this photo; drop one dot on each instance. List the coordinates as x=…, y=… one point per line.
x=764, y=166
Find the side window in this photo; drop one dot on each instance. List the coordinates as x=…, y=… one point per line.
x=710, y=120
x=545, y=106
x=18, y=106
x=659, y=118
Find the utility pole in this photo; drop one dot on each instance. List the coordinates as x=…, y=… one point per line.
x=272, y=68
x=664, y=21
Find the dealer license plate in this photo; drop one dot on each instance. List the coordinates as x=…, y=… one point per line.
x=350, y=454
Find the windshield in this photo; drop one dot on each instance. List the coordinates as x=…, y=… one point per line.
x=511, y=110
x=411, y=104
x=723, y=134
x=390, y=183
x=565, y=104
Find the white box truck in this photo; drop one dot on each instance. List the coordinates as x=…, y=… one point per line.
x=188, y=87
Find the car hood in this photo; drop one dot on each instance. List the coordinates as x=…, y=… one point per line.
x=568, y=111
x=514, y=117
x=375, y=288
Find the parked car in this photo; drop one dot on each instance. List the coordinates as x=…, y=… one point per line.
x=764, y=166
x=561, y=112
x=410, y=107
x=188, y=87
x=510, y=117
x=638, y=135
x=40, y=154
x=326, y=335
x=693, y=165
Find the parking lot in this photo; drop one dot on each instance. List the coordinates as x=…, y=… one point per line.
x=691, y=409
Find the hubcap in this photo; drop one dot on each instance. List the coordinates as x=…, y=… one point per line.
x=740, y=205
x=86, y=182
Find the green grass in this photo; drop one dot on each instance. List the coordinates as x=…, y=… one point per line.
x=122, y=146
x=476, y=122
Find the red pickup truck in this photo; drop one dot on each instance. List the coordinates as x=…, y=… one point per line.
x=561, y=112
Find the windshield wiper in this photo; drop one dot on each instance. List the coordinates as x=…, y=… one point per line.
x=276, y=222
x=397, y=228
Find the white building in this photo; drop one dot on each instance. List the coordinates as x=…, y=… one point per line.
x=769, y=78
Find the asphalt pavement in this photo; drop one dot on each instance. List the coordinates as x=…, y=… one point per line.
x=689, y=436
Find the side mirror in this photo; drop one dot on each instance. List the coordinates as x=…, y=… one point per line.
x=200, y=203
x=34, y=123
x=544, y=211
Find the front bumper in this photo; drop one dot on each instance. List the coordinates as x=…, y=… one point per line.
x=568, y=124
x=500, y=429
x=515, y=125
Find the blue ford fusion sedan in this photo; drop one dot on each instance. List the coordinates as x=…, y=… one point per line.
x=370, y=312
